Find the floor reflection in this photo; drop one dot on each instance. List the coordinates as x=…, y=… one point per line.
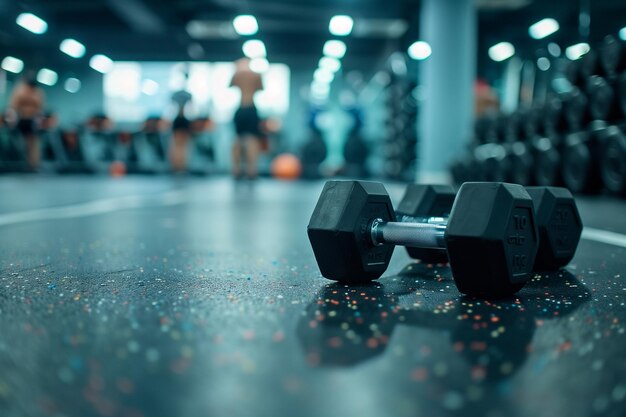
x=348, y=325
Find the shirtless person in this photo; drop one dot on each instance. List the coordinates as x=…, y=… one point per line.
x=27, y=101
x=181, y=130
x=247, y=121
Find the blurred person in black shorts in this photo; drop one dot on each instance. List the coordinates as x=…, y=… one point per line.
x=27, y=101
x=247, y=121
x=181, y=128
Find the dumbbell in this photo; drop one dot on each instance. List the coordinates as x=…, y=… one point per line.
x=613, y=157
x=491, y=162
x=552, y=116
x=491, y=236
x=558, y=221
x=612, y=56
x=589, y=65
x=621, y=91
x=576, y=109
x=427, y=204
x=581, y=159
x=547, y=159
x=604, y=103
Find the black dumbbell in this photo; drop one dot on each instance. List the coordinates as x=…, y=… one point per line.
x=558, y=221
x=590, y=65
x=612, y=56
x=551, y=117
x=621, y=91
x=613, y=157
x=492, y=162
x=428, y=204
x=546, y=160
x=604, y=103
x=581, y=159
x=572, y=71
x=576, y=109
x=491, y=236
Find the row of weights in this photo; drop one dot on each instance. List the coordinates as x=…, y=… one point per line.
x=562, y=113
x=585, y=162
x=607, y=59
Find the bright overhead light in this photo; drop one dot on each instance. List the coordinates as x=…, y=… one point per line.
x=576, y=51
x=420, y=50
x=622, y=33
x=543, y=28
x=335, y=49
x=341, y=25
x=320, y=91
x=554, y=49
x=72, y=85
x=259, y=65
x=501, y=51
x=245, y=25
x=32, y=23
x=320, y=88
x=254, y=48
x=330, y=64
x=47, y=77
x=323, y=76
x=543, y=63
x=12, y=64
x=101, y=63
x=149, y=87
x=72, y=48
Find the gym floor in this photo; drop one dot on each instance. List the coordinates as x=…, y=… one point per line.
x=193, y=297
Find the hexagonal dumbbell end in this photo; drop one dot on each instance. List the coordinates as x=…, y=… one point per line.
x=492, y=239
x=559, y=226
x=421, y=200
x=339, y=228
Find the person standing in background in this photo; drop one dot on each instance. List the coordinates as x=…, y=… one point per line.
x=181, y=128
x=27, y=101
x=247, y=121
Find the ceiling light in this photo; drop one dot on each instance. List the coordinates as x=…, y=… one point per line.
x=320, y=91
x=330, y=64
x=72, y=48
x=543, y=28
x=12, y=64
x=259, y=65
x=501, y=51
x=335, y=49
x=47, y=77
x=554, y=49
x=543, y=63
x=576, y=51
x=245, y=25
x=101, y=63
x=32, y=23
x=254, y=49
x=323, y=76
x=341, y=25
x=72, y=85
x=622, y=33
x=420, y=50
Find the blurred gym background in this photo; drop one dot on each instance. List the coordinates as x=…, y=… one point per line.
x=531, y=92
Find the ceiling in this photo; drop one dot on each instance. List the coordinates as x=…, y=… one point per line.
x=293, y=30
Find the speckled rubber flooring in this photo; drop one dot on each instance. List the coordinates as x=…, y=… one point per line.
x=175, y=297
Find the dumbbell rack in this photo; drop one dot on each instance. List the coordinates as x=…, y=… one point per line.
x=575, y=138
x=399, y=147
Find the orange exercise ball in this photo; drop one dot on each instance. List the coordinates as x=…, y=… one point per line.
x=117, y=169
x=286, y=166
